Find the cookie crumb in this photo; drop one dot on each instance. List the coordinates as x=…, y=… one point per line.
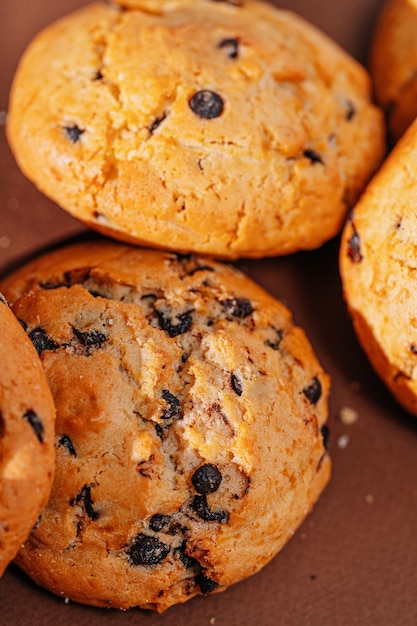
x=343, y=441
x=369, y=498
x=348, y=415
x=5, y=241
x=66, y=600
x=212, y=620
x=3, y=118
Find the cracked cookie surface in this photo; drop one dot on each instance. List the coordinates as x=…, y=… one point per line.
x=228, y=128
x=190, y=424
x=378, y=267
x=27, y=422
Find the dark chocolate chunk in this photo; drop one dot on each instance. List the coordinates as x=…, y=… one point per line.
x=236, y=384
x=200, y=506
x=232, y=46
x=206, y=104
x=174, y=406
x=325, y=433
x=157, y=121
x=313, y=391
x=35, y=422
x=84, y=498
x=147, y=550
x=73, y=133
x=90, y=337
x=206, y=478
x=207, y=585
x=98, y=75
x=274, y=344
x=354, y=247
x=186, y=560
x=159, y=522
x=2, y=425
x=41, y=341
x=413, y=348
x=351, y=110
x=238, y=307
x=313, y=156
x=201, y=268
x=66, y=443
x=176, y=325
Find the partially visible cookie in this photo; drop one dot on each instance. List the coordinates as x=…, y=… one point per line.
x=393, y=63
x=190, y=424
x=378, y=262
x=229, y=128
x=27, y=450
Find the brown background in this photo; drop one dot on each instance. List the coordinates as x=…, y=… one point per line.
x=353, y=562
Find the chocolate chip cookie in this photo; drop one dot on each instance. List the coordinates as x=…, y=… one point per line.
x=378, y=268
x=27, y=450
x=190, y=424
x=393, y=64
x=229, y=128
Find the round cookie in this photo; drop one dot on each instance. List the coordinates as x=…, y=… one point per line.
x=190, y=424
x=378, y=267
x=393, y=64
x=27, y=450
x=228, y=128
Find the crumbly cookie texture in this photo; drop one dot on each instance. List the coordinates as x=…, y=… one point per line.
x=27, y=423
x=378, y=266
x=190, y=424
x=393, y=64
x=228, y=128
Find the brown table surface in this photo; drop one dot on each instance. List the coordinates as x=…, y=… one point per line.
x=354, y=559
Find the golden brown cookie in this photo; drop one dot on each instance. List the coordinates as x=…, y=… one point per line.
x=393, y=63
x=190, y=424
x=27, y=450
x=229, y=128
x=378, y=267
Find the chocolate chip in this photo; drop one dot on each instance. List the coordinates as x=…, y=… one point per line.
x=206, y=104
x=84, y=497
x=98, y=75
x=413, y=348
x=90, y=337
x=157, y=121
x=41, y=341
x=147, y=550
x=313, y=156
x=200, y=506
x=236, y=384
x=201, y=268
x=313, y=391
x=186, y=560
x=232, y=45
x=176, y=325
x=238, y=307
x=206, y=478
x=66, y=443
x=207, y=585
x=351, y=110
x=159, y=522
x=325, y=433
x=174, y=406
x=354, y=247
x=35, y=422
x=73, y=133
x=274, y=344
